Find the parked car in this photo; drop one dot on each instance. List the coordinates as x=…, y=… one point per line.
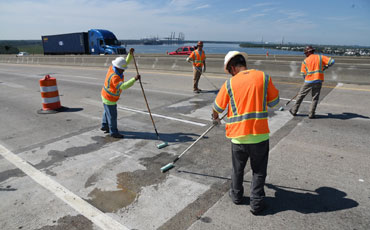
x=21, y=54
x=184, y=50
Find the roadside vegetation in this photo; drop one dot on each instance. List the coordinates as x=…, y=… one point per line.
x=327, y=49
x=16, y=46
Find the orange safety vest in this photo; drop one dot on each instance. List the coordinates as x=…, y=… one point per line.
x=312, y=67
x=197, y=58
x=111, y=89
x=247, y=96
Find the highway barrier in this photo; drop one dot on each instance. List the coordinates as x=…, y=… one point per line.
x=346, y=69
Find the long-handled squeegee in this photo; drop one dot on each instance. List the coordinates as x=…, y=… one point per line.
x=282, y=107
x=172, y=164
x=163, y=144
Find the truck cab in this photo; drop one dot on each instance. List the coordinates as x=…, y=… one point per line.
x=104, y=42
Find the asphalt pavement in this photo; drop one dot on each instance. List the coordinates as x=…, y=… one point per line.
x=59, y=171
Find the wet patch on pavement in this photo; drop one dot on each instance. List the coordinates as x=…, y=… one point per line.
x=130, y=184
x=7, y=189
x=5, y=175
x=189, y=106
x=78, y=222
x=59, y=156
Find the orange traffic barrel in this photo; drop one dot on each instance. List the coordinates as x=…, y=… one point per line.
x=49, y=95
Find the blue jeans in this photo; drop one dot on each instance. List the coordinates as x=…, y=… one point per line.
x=110, y=118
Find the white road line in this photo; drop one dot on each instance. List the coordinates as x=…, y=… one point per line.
x=288, y=99
x=162, y=116
x=96, y=216
x=94, y=102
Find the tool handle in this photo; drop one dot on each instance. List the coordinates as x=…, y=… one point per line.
x=200, y=137
x=137, y=71
x=177, y=158
x=291, y=99
x=201, y=73
x=146, y=101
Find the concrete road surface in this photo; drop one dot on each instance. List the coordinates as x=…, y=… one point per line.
x=59, y=171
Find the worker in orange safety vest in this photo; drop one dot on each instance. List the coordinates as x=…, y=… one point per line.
x=312, y=70
x=113, y=85
x=246, y=96
x=198, y=58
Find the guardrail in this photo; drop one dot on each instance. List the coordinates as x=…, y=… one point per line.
x=346, y=69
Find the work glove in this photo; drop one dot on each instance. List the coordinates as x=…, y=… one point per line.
x=325, y=67
x=137, y=77
x=216, y=121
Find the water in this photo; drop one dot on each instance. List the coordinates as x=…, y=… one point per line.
x=210, y=48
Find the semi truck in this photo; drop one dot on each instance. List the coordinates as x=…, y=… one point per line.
x=95, y=41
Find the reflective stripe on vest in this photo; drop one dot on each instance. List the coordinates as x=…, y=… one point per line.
x=250, y=115
x=198, y=59
x=111, y=90
x=107, y=88
x=314, y=70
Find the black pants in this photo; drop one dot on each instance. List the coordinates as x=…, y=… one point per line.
x=258, y=154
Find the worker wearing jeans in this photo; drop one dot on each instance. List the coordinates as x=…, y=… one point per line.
x=111, y=92
x=246, y=96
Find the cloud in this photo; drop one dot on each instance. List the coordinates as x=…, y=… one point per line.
x=264, y=4
x=182, y=3
x=242, y=10
x=135, y=19
x=339, y=18
x=202, y=7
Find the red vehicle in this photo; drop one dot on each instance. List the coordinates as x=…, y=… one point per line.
x=184, y=50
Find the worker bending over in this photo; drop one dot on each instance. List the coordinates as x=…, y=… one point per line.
x=246, y=95
x=198, y=58
x=312, y=70
x=113, y=85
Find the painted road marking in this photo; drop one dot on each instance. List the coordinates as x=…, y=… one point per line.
x=99, y=103
x=162, y=116
x=93, y=214
x=288, y=99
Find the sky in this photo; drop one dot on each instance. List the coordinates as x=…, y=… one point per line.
x=331, y=22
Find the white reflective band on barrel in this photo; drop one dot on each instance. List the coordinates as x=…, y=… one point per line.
x=50, y=100
x=48, y=88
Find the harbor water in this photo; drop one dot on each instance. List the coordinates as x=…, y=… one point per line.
x=210, y=48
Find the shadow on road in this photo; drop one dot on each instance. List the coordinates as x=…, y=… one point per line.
x=342, y=116
x=323, y=199
x=71, y=110
x=168, y=137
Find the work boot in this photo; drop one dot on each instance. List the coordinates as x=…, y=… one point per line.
x=291, y=112
x=235, y=201
x=117, y=135
x=197, y=91
x=105, y=129
x=257, y=211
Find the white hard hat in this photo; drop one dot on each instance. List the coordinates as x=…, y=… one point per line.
x=119, y=63
x=232, y=54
